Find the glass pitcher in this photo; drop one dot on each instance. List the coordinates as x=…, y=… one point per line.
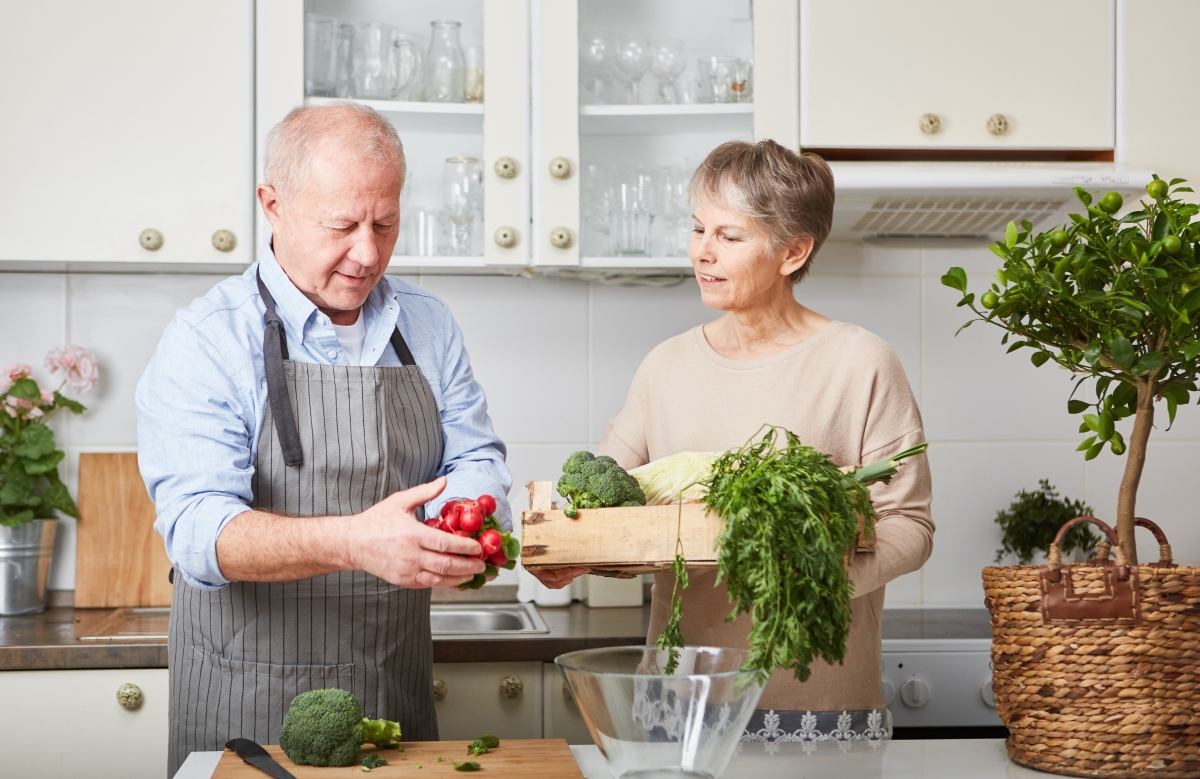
x=373, y=60
x=409, y=57
x=444, y=64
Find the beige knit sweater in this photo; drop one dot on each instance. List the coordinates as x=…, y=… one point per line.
x=843, y=392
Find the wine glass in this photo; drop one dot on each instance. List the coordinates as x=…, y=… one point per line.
x=632, y=62
x=595, y=63
x=462, y=199
x=666, y=63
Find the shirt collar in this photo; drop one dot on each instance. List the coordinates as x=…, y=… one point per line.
x=297, y=311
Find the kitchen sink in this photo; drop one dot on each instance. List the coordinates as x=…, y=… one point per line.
x=477, y=620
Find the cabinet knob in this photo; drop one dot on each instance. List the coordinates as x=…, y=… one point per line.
x=511, y=686
x=560, y=238
x=439, y=690
x=506, y=237
x=506, y=168
x=914, y=693
x=150, y=239
x=988, y=695
x=224, y=241
x=930, y=124
x=997, y=124
x=560, y=168
x=129, y=696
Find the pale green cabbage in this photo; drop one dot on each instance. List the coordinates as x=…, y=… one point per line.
x=672, y=478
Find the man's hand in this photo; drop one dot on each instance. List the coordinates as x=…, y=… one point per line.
x=559, y=578
x=388, y=541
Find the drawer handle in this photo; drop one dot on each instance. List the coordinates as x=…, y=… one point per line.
x=506, y=168
x=150, y=239
x=997, y=124
x=930, y=124
x=439, y=690
x=511, y=686
x=560, y=168
x=129, y=696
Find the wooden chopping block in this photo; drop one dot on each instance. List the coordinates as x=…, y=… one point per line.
x=516, y=759
x=119, y=559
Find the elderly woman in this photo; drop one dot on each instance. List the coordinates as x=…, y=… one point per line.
x=761, y=214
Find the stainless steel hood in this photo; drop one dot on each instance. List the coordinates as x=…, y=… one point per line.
x=967, y=199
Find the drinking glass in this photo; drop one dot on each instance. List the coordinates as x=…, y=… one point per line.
x=717, y=73
x=408, y=60
x=667, y=60
x=596, y=52
x=462, y=199
x=630, y=216
x=423, y=232
x=373, y=60
x=345, y=61
x=320, y=55
x=595, y=202
x=632, y=61
x=743, y=81
x=473, y=74
x=444, y=67
x=690, y=88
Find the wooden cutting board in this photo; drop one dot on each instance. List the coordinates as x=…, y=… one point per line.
x=119, y=559
x=518, y=759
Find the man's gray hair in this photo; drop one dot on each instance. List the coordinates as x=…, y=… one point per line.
x=290, y=143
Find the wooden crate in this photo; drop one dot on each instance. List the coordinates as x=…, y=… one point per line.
x=621, y=542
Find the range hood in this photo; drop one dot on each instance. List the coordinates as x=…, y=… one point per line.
x=967, y=199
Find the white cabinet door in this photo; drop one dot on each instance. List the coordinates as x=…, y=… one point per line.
x=67, y=724
x=560, y=713
x=871, y=69
x=504, y=699
x=123, y=117
x=555, y=72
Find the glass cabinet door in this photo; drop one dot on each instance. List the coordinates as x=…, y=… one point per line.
x=452, y=76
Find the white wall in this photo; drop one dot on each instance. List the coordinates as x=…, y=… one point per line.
x=556, y=358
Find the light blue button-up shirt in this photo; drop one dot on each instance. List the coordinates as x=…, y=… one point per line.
x=202, y=401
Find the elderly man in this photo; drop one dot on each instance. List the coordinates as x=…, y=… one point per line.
x=293, y=426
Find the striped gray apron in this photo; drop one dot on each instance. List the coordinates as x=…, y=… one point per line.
x=238, y=655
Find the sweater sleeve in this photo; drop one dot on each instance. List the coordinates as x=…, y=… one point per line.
x=904, y=530
x=625, y=438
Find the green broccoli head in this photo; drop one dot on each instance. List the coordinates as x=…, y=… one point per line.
x=327, y=728
x=597, y=482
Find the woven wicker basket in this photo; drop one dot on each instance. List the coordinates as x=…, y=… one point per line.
x=1097, y=665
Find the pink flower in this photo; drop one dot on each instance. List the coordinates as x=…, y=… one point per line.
x=20, y=403
x=16, y=370
x=12, y=412
x=34, y=413
x=79, y=364
x=4, y=384
x=47, y=396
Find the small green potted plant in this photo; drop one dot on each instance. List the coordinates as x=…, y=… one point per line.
x=1033, y=519
x=31, y=490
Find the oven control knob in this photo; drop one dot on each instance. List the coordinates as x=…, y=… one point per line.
x=888, y=690
x=914, y=693
x=988, y=695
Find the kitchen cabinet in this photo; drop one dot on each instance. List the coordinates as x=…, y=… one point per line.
x=504, y=699
x=129, y=133
x=943, y=74
x=70, y=724
x=561, y=717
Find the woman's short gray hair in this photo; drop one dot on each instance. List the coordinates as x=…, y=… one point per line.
x=290, y=143
x=790, y=195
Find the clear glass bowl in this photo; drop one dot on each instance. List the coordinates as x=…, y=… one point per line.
x=649, y=724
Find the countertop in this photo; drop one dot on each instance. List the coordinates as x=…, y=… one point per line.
x=50, y=640
x=944, y=759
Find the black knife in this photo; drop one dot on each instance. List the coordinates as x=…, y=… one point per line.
x=252, y=753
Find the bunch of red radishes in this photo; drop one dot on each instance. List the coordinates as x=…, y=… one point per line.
x=474, y=519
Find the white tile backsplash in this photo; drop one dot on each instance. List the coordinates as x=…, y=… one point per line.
x=556, y=357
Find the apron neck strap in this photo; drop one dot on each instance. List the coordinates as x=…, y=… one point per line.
x=275, y=351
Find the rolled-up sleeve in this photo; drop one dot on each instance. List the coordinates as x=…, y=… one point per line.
x=194, y=449
x=473, y=462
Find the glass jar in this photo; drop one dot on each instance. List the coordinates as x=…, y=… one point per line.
x=444, y=67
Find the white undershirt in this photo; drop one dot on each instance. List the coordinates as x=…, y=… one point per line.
x=352, y=337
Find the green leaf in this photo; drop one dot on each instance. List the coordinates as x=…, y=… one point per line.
x=26, y=389
x=1010, y=235
x=1191, y=350
x=1172, y=407
x=1018, y=345
x=36, y=442
x=1087, y=443
x=1191, y=301
x=1106, y=425
x=511, y=547
x=19, y=518
x=43, y=464
x=1039, y=358
x=1092, y=421
x=1077, y=406
x=956, y=278
x=999, y=250
x=74, y=405
x=57, y=497
x=1083, y=196
x=1147, y=363
x=1091, y=352
x=1161, y=225
x=967, y=300
x=1121, y=351
x=1094, y=451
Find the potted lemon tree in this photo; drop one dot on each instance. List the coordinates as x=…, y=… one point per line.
x=1092, y=662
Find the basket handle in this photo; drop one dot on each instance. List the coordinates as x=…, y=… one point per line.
x=1165, y=558
x=1054, y=558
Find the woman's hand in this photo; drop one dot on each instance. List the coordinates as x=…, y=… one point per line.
x=559, y=578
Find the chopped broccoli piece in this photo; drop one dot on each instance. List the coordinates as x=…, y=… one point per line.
x=591, y=482
x=373, y=761
x=327, y=728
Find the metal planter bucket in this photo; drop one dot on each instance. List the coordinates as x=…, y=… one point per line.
x=25, y=553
